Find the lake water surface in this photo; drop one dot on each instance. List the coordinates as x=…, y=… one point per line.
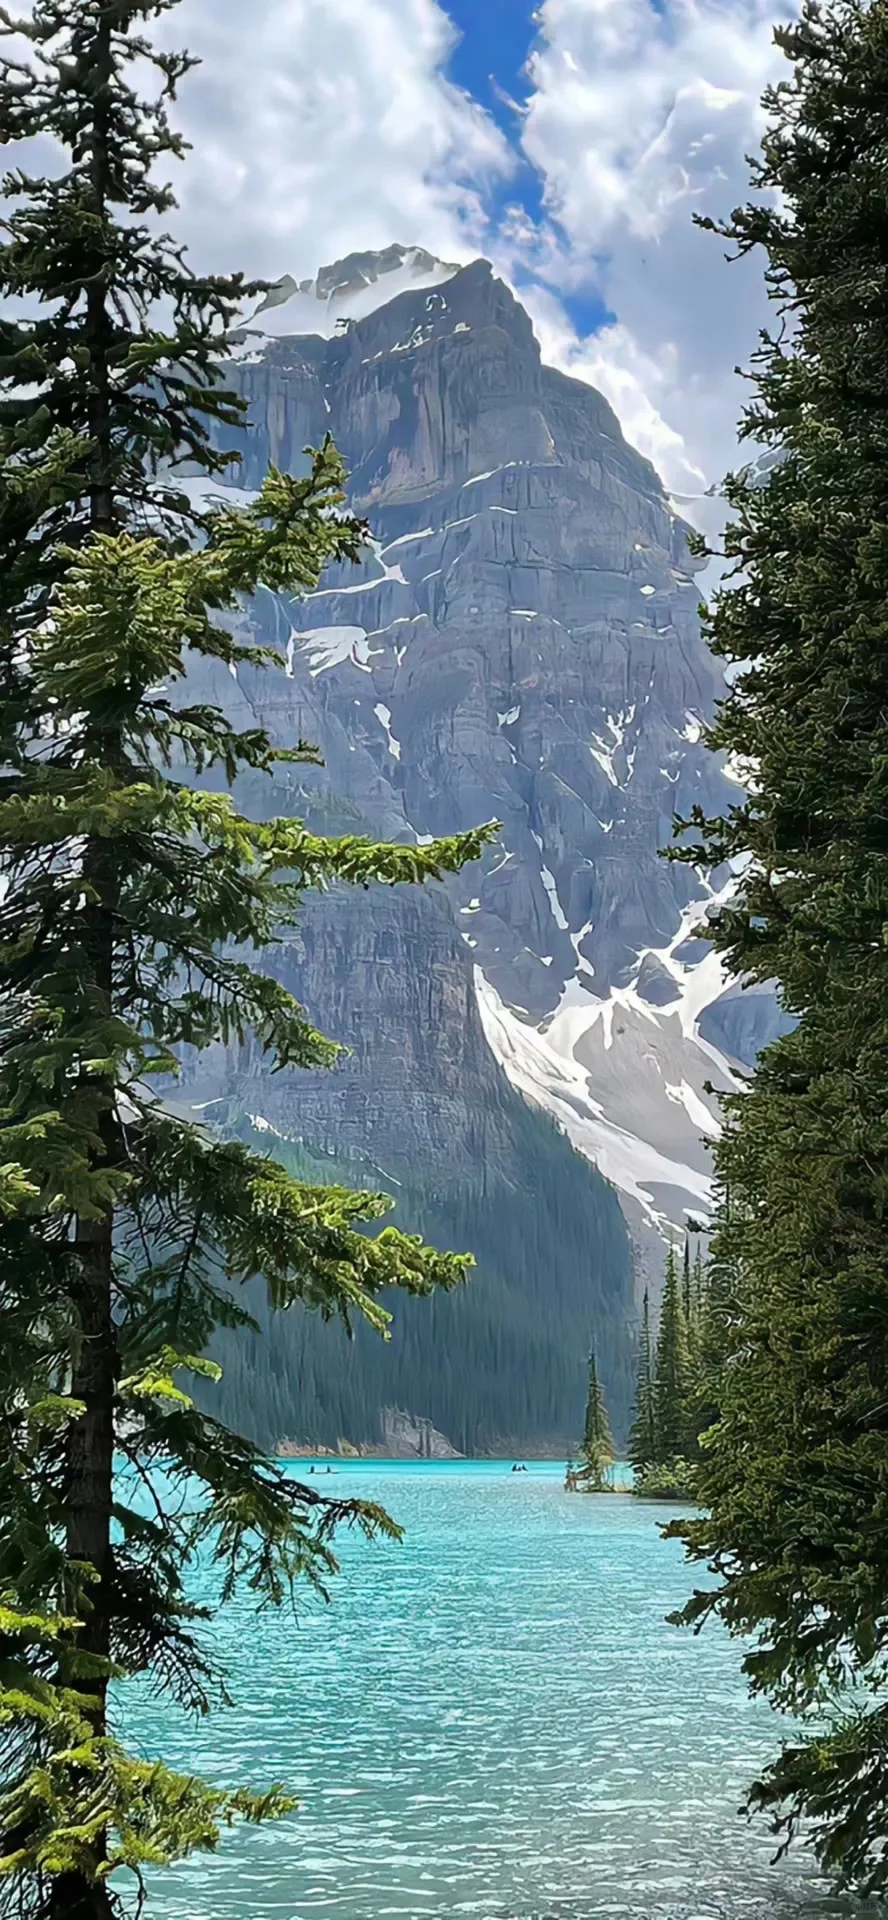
x=491, y=1720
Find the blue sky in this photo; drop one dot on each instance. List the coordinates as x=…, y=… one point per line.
x=323, y=126
x=491, y=55
x=489, y=61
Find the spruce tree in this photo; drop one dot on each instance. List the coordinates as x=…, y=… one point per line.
x=597, y=1453
x=698, y=1285
x=692, y=1288
x=794, y=1478
x=136, y=911
x=672, y=1376
x=711, y=1302
x=643, y=1451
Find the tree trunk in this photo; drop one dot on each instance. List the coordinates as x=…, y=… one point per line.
x=90, y=1440
x=90, y=1457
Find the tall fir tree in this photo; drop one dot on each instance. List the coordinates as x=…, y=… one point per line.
x=794, y=1478
x=643, y=1451
x=692, y=1308
x=134, y=919
x=597, y=1453
x=672, y=1377
x=712, y=1296
x=698, y=1285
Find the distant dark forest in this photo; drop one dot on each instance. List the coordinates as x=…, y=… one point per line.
x=499, y=1364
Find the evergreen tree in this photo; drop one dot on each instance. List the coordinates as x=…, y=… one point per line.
x=698, y=1410
x=643, y=1451
x=135, y=915
x=597, y=1453
x=698, y=1286
x=692, y=1308
x=711, y=1294
x=794, y=1477
x=672, y=1378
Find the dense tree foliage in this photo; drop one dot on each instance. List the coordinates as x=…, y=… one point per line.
x=499, y=1367
x=794, y=1479
x=643, y=1431
x=673, y=1391
x=135, y=892
x=672, y=1378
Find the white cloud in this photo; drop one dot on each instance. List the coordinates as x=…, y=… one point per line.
x=324, y=126
x=641, y=386
x=638, y=116
x=319, y=127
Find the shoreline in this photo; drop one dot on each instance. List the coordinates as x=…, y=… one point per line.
x=290, y=1450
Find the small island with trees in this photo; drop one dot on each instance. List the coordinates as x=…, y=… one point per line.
x=591, y=1473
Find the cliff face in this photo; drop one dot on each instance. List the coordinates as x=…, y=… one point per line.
x=406, y=1438
x=521, y=644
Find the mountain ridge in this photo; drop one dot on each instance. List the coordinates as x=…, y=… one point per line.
x=409, y=439
x=521, y=643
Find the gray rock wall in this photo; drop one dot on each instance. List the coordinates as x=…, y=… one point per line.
x=521, y=644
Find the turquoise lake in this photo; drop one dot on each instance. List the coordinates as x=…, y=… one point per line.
x=491, y=1719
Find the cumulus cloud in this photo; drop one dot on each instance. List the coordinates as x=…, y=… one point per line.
x=640, y=385
x=323, y=126
x=640, y=114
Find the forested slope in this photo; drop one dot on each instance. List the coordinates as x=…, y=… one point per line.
x=501, y=1364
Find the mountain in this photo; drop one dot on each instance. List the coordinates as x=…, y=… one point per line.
x=346, y=290
x=522, y=643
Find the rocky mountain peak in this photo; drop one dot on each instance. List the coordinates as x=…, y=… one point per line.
x=347, y=289
x=522, y=643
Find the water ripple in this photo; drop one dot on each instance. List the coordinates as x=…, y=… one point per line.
x=492, y=1720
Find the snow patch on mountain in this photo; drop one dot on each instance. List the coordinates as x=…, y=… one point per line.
x=548, y=880
x=394, y=573
x=549, y=1075
x=603, y=750
x=625, y=1077
x=205, y=490
x=331, y=647
x=347, y=291
x=408, y=539
x=384, y=716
